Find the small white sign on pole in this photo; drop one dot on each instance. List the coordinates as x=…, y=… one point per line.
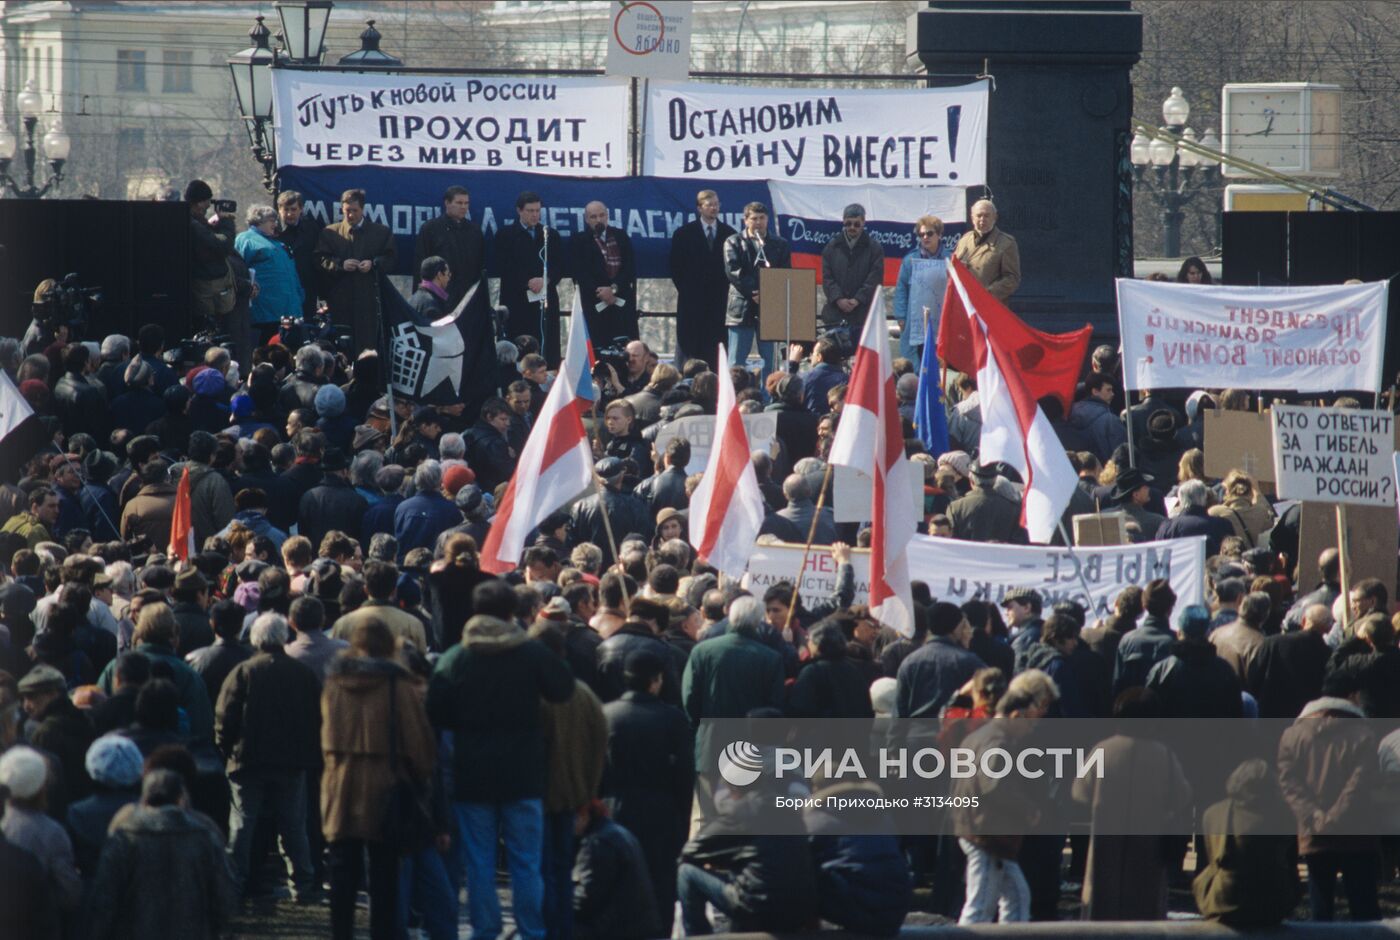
x=1334, y=455
x=649, y=38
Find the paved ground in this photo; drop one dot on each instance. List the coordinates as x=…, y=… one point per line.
x=284, y=920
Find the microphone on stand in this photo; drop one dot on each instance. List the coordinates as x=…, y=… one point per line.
x=762, y=258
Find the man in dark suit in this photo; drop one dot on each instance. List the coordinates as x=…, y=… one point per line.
x=301, y=234
x=697, y=270
x=457, y=240
x=353, y=252
x=605, y=273
x=521, y=254
x=744, y=254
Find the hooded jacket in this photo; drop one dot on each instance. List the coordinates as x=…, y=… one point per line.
x=355, y=743
x=487, y=691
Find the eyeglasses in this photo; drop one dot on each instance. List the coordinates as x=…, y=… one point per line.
x=928, y=234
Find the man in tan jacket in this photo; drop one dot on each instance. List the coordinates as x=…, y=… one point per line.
x=989, y=253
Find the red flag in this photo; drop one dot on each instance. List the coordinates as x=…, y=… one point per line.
x=1048, y=363
x=181, y=526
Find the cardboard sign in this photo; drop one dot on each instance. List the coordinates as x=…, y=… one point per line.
x=1334, y=455
x=1372, y=540
x=1239, y=440
x=853, y=492
x=699, y=430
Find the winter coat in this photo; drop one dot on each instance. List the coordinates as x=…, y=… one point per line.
x=1142, y=790
x=258, y=523
x=405, y=627
x=850, y=271
x=459, y=243
x=355, y=736
x=627, y=513
x=380, y=518
x=665, y=489
x=194, y=697
x=137, y=409
x=576, y=734
x=930, y=676
x=994, y=259
x=283, y=497
x=1004, y=806
x=613, y=893
x=1140, y=649
x=727, y=678
x=333, y=504
x=64, y=731
x=448, y=598
x=88, y=820
x=1194, y=520
x=269, y=715
x=1074, y=698
x=100, y=512
x=635, y=637
x=26, y=896
x=830, y=688
x=771, y=880
x=1250, y=520
x=822, y=378
x=1327, y=771
x=1193, y=682
x=648, y=781
x=1096, y=421
x=80, y=403
x=801, y=512
x=280, y=293
x=489, y=456
x=488, y=691
x=1251, y=876
x=863, y=880
x=194, y=629
x=1287, y=672
x=420, y=519
x=985, y=515
x=166, y=853
x=211, y=502
x=215, y=661
x=148, y=515
x=301, y=240
x=1238, y=644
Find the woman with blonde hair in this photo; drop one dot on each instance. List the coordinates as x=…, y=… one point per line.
x=1245, y=507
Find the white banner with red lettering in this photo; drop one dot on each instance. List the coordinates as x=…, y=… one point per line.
x=1305, y=339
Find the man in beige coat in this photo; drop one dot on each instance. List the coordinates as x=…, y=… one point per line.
x=989, y=253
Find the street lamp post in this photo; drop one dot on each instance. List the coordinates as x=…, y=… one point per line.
x=1178, y=175
x=252, y=84
x=56, y=143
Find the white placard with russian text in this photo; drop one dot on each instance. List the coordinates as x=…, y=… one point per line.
x=1303, y=339
x=923, y=136
x=1334, y=455
x=556, y=126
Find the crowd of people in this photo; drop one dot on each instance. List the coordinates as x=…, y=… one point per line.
x=330, y=695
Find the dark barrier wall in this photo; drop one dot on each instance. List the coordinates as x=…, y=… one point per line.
x=1057, y=139
x=137, y=252
x=1318, y=248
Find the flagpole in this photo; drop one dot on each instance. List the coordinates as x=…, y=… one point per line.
x=807, y=549
x=387, y=360
x=1069, y=547
x=607, y=526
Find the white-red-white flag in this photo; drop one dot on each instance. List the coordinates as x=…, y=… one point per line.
x=1015, y=430
x=556, y=463
x=726, y=509
x=869, y=437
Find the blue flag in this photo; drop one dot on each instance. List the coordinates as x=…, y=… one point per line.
x=930, y=417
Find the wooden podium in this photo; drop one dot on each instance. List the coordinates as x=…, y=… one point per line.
x=787, y=305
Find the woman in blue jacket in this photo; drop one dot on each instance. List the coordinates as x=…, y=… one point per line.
x=920, y=285
x=277, y=291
